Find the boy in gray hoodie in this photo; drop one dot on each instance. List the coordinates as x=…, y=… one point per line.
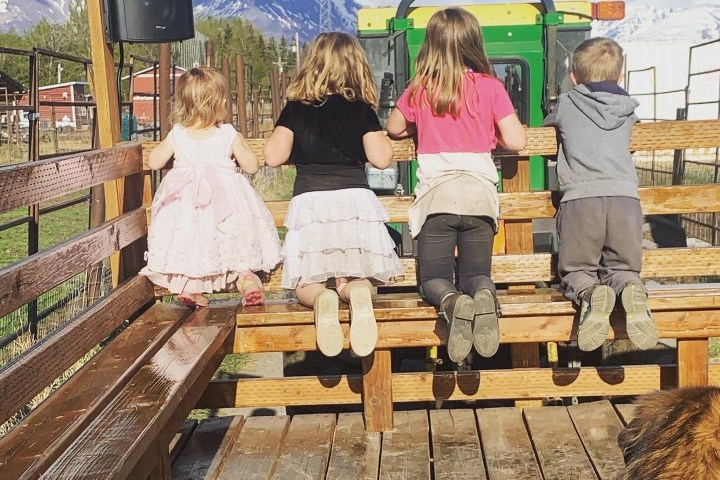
x=599, y=221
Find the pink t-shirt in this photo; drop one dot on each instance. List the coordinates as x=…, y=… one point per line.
x=473, y=130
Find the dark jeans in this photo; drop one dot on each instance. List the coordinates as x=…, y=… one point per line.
x=437, y=240
x=600, y=242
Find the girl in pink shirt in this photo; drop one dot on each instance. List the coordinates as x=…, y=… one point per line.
x=459, y=111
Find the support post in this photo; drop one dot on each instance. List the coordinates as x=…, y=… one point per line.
x=228, y=100
x=518, y=240
x=377, y=391
x=692, y=362
x=241, y=94
x=164, y=87
x=209, y=54
x=256, y=113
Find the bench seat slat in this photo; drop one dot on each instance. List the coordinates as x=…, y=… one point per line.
x=429, y=333
x=38, y=367
x=32, y=446
x=35, y=182
x=112, y=445
x=25, y=280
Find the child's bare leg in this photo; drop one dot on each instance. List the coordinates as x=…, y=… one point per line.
x=250, y=288
x=363, y=329
x=193, y=300
x=329, y=334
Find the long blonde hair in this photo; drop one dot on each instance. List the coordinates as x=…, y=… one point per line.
x=200, y=98
x=336, y=63
x=453, y=44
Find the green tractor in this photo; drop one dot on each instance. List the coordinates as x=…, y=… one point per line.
x=529, y=45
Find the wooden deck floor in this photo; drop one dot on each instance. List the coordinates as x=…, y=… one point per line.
x=577, y=442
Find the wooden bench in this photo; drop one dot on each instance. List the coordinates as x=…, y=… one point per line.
x=690, y=313
x=116, y=416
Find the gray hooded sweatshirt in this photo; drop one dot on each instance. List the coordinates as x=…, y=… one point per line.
x=594, y=126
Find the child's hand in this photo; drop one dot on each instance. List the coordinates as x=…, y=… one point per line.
x=244, y=155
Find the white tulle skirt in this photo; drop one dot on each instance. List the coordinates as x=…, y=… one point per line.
x=338, y=233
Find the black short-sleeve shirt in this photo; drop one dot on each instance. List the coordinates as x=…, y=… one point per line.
x=327, y=146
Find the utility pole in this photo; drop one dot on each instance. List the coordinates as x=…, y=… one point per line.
x=325, y=9
x=59, y=72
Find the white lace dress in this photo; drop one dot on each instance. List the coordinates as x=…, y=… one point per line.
x=208, y=223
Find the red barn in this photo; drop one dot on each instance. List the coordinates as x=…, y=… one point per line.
x=65, y=115
x=143, y=88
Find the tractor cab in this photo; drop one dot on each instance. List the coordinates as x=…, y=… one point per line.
x=529, y=45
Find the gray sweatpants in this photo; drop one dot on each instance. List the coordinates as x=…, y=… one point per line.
x=600, y=242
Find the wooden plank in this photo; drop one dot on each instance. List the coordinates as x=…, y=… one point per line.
x=111, y=446
x=27, y=279
x=508, y=452
x=456, y=446
x=208, y=448
x=41, y=438
x=427, y=386
x=180, y=439
x=377, y=391
x=355, y=451
x=626, y=411
x=163, y=470
x=406, y=450
x=558, y=448
x=429, y=333
x=530, y=268
x=21, y=380
x=254, y=454
x=543, y=140
x=514, y=303
x=692, y=362
x=36, y=182
x=598, y=426
x=305, y=450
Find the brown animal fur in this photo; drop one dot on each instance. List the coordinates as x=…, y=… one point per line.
x=674, y=436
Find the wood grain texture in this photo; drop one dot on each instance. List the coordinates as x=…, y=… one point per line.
x=21, y=380
x=508, y=452
x=598, y=426
x=355, y=451
x=692, y=358
x=456, y=445
x=559, y=450
x=406, y=450
x=426, y=386
x=305, y=450
x=626, y=411
x=377, y=391
x=254, y=454
x=408, y=306
x=36, y=182
x=111, y=446
x=27, y=279
x=542, y=140
x=208, y=448
x=515, y=329
x=27, y=450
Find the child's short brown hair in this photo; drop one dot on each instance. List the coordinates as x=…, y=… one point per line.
x=598, y=59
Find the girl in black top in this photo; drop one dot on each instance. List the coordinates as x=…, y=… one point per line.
x=336, y=225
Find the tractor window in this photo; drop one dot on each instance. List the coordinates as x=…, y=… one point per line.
x=513, y=73
x=567, y=41
x=384, y=54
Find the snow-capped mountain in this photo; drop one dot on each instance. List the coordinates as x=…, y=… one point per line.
x=645, y=24
x=21, y=14
x=282, y=18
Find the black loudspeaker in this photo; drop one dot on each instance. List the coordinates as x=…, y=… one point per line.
x=149, y=21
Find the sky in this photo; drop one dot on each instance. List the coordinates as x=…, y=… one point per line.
x=656, y=3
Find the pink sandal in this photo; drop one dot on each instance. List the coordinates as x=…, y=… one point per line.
x=250, y=288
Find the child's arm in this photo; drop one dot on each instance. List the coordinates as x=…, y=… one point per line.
x=511, y=133
x=398, y=127
x=161, y=155
x=279, y=146
x=244, y=155
x=378, y=149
